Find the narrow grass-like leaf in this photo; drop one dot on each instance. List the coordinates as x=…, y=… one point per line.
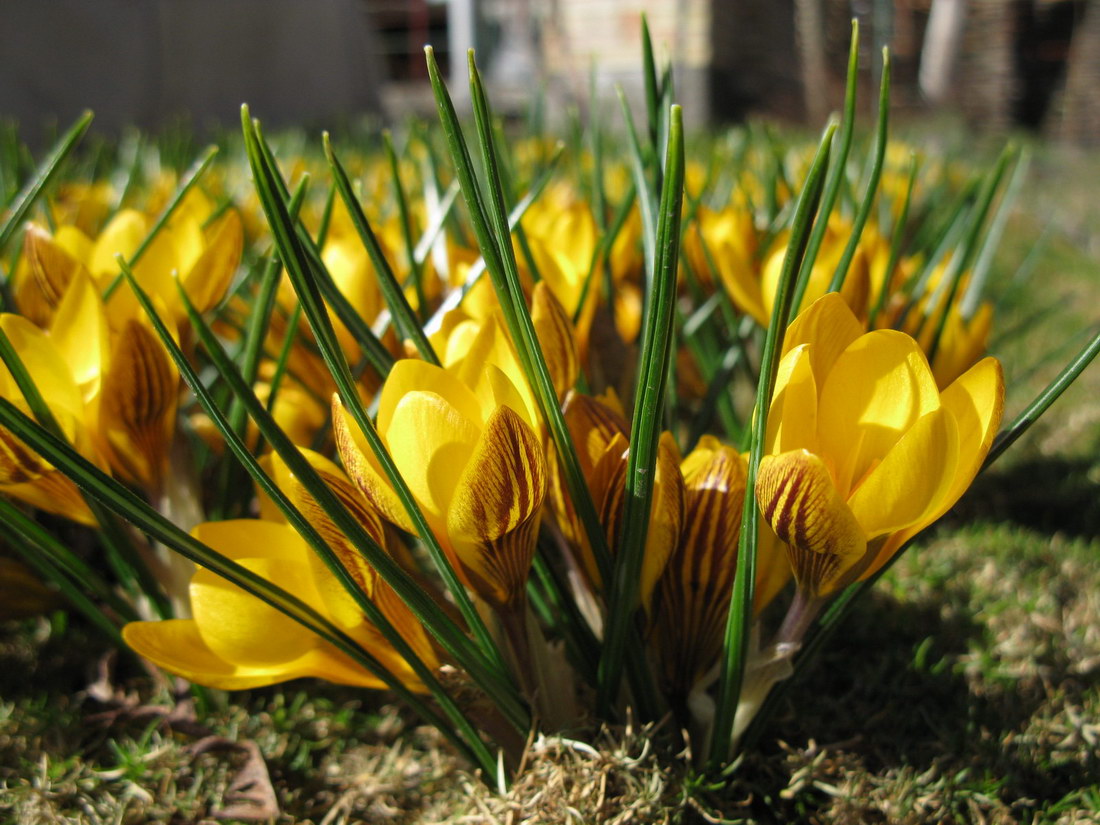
x=879, y=155
x=133, y=573
x=964, y=257
x=373, y=349
x=1039, y=405
x=483, y=661
x=44, y=175
x=455, y=296
x=295, y=517
x=652, y=86
x=520, y=326
x=740, y=612
x=895, y=244
x=647, y=204
x=646, y=423
x=836, y=173
x=435, y=228
x=408, y=325
x=62, y=559
x=992, y=240
x=75, y=591
x=416, y=267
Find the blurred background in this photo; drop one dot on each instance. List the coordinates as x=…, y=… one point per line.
x=1001, y=64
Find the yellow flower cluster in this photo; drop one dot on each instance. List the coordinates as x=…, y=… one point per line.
x=867, y=442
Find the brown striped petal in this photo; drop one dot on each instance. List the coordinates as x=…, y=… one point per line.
x=53, y=492
x=666, y=517
x=52, y=267
x=557, y=338
x=799, y=500
x=18, y=462
x=359, y=463
x=493, y=518
x=692, y=599
x=138, y=405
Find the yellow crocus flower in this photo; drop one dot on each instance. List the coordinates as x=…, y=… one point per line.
x=600, y=434
x=730, y=240
x=863, y=450
x=25, y=475
x=236, y=641
x=472, y=461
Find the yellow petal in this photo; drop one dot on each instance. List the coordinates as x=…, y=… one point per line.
x=913, y=479
x=492, y=347
x=431, y=442
x=409, y=375
x=80, y=333
x=239, y=539
x=773, y=569
x=123, y=235
x=177, y=646
x=47, y=370
x=829, y=326
x=799, y=501
x=666, y=517
x=243, y=629
x=18, y=462
x=138, y=404
x=878, y=388
x=337, y=602
x=52, y=492
x=207, y=280
x=493, y=518
x=792, y=419
x=976, y=403
x=592, y=424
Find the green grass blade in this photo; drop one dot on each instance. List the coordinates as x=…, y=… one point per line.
x=62, y=559
x=74, y=592
x=455, y=296
x=416, y=268
x=872, y=181
x=895, y=243
x=373, y=349
x=43, y=176
x=964, y=257
x=647, y=204
x=435, y=228
x=652, y=86
x=740, y=612
x=519, y=322
x=836, y=173
x=646, y=424
x=408, y=325
x=484, y=661
x=990, y=243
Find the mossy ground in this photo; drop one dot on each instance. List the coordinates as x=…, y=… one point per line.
x=966, y=689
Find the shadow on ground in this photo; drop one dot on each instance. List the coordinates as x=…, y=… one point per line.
x=1047, y=494
x=892, y=695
